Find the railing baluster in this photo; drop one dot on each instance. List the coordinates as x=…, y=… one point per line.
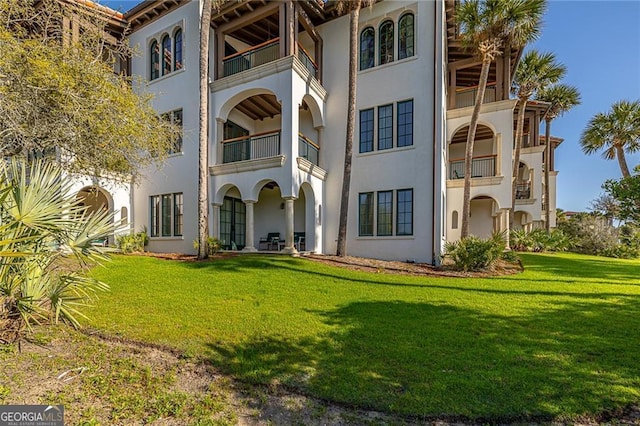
x=252, y=58
x=480, y=167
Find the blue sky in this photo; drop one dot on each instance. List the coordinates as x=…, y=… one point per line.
x=599, y=42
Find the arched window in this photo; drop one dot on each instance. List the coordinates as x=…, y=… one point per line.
x=454, y=220
x=155, y=60
x=166, y=55
x=177, y=50
x=124, y=216
x=386, y=42
x=405, y=36
x=367, y=48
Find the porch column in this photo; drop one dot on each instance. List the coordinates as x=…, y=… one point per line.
x=505, y=226
x=249, y=244
x=216, y=220
x=289, y=246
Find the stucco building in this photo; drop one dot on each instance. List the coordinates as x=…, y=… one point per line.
x=277, y=113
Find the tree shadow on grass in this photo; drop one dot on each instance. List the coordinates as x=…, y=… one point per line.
x=435, y=361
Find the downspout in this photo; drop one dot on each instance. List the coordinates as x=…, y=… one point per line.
x=436, y=196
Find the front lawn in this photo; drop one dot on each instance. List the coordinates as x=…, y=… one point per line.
x=560, y=339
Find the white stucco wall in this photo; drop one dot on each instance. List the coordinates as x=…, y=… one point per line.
x=176, y=90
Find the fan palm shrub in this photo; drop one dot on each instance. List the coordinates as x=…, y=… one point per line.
x=42, y=225
x=475, y=254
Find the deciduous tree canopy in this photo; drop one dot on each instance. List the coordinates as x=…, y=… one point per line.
x=65, y=97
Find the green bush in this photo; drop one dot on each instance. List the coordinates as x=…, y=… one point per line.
x=474, y=254
x=213, y=245
x=132, y=243
x=539, y=240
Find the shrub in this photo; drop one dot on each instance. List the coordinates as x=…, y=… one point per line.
x=42, y=223
x=132, y=243
x=473, y=254
x=591, y=234
x=213, y=245
x=539, y=240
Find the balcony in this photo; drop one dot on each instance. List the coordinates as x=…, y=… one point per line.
x=308, y=150
x=523, y=190
x=466, y=97
x=258, y=55
x=306, y=60
x=482, y=166
x=253, y=147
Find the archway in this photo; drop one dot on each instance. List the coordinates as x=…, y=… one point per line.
x=484, y=153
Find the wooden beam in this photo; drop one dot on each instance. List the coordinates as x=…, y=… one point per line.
x=464, y=63
x=250, y=18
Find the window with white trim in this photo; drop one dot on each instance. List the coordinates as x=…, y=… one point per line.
x=166, y=215
x=388, y=212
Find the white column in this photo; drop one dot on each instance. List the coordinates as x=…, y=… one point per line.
x=249, y=243
x=218, y=148
x=216, y=220
x=505, y=226
x=289, y=247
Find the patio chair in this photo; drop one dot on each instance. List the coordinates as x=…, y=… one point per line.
x=298, y=241
x=270, y=241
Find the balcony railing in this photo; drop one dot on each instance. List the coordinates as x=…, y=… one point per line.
x=262, y=145
x=466, y=97
x=257, y=55
x=306, y=60
x=523, y=190
x=484, y=166
x=308, y=150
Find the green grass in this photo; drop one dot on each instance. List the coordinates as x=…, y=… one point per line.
x=559, y=340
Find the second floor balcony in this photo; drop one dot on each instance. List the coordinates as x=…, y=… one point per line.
x=265, y=145
x=481, y=166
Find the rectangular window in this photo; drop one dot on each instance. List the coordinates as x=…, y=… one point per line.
x=154, y=208
x=405, y=123
x=385, y=127
x=166, y=215
x=366, y=214
x=366, y=130
x=404, y=224
x=177, y=214
x=176, y=118
x=385, y=213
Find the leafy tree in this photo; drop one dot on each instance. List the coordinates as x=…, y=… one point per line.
x=562, y=98
x=486, y=28
x=626, y=193
x=606, y=206
x=616, y=132
x=60, y=95
x=536, y=71
x=353, y=9
x=42, y=226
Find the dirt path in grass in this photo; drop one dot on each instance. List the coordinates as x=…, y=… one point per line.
x=109, y=381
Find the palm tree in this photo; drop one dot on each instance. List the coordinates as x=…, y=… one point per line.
x=486, y=27
x=562, y=98
x=353, y=8
x=203, y=135
x=617, y=132
x=535, y=72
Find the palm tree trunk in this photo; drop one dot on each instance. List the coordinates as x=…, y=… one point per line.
x=547, y=170
x=351, y=123
x=622, y=161
x=203, y=136
x=522, y=105
x=468, y=154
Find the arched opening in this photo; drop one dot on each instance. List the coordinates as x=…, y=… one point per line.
x=386, y=42
x=94, y=199
x=367, y=48
x=308, y=138
x=405, y=36
x=484, y=153
x=523, y=182
x=484, y=217
x=252, y=129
